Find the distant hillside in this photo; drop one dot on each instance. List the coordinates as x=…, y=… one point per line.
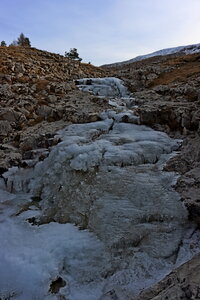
x=178, y=50
x=31, y=62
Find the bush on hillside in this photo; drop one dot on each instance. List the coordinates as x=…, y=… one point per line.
x=3, y=43
x=73, y=54
x=23, y=41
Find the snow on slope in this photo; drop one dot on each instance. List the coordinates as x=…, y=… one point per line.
x=181, y=49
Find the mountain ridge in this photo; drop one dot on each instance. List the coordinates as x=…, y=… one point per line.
x=189, y=49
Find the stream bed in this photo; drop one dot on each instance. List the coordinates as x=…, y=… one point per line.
x=98, y=218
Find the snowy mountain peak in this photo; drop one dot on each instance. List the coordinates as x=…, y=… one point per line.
x=190, y=49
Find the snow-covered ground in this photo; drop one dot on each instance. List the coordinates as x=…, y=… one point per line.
x=105, y=217
x=190, y=49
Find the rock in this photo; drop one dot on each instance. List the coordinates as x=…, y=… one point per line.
x=45, y=112
x=29, y=143
x=7, y=114
x=182, y=283
x=52, y=98
x=191, y=93
x=161, y=89
x=5, y=128
x=5, y=90
x=9, y=156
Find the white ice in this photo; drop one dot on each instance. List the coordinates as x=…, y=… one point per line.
x=32, y=257
x=107, y=87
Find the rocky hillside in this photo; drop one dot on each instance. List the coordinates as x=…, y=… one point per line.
x=166, y=90
x=38, y=97
x=172, y=84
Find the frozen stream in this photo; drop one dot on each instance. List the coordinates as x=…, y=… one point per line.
x=98, y=218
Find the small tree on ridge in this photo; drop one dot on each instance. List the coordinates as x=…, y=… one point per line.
x=3, y=43
x=23, y=41
x=73, y=54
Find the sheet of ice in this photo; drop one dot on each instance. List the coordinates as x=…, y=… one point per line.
x=32, y=257
x=107, y=87
x=104, y=174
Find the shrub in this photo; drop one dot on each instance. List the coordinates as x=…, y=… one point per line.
x=3, y=43
x=23, y=41
x=73, y=54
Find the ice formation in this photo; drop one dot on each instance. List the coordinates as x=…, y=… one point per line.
x=106, y=218
x=107, y=87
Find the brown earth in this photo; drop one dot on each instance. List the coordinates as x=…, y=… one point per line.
x=38, y=97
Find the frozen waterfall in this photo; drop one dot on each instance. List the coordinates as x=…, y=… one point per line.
x=107, y=87
x=99, y=214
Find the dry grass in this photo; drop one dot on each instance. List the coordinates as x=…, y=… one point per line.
x=41, y=84
x=183, y=68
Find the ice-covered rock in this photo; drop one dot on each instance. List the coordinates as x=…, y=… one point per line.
x=107, y=87
x=106, y=176
x=32, y=258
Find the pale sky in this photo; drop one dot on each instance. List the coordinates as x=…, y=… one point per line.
x=103, y=31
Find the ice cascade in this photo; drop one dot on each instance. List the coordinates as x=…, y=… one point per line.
x=106, y=221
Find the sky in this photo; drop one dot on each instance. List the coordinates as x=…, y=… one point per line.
x=103, y=31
